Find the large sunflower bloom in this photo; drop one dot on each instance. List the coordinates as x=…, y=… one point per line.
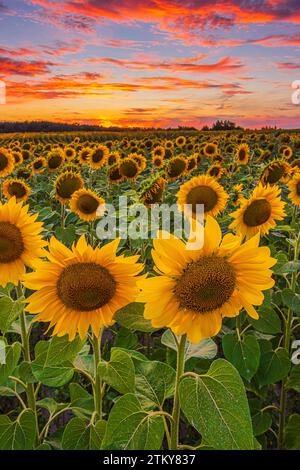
x=87, y=204
x=21, y=242
x=81, y=287
x=14, y=187
x=203, y=189
x=260, y=212
x=197, y=288
x=7, y=162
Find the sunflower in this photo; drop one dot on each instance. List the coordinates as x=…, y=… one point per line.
x=16, y=188
x=55, y=160
x=82, y=287
x=129, y=168
x=216, y=171
x=26, y=155
x=197, y=288
x=113, y=158
x=84, y=155
x=191, y=163
x=158, y=151
x=286, y=152
x=242, y=154
x=153, y=192
x=176, y=167
x=18, y=157
x=157, y=161
x=21, y=243
x=69, y=153
x=204, y=190
x=140, y=160
x=66, y=184
x=260, y=212
x=276, y=171
x=114, y=174
x=210, y=150
x=24, y=173
x=180, y=141
x=38, y=165
x=86, y=204
x=294, y=187
x=169, y=144
x=98, y=157
x=237, y=196
x=7, y=162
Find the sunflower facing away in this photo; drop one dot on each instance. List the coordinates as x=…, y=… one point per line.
x=260, y=212
x=21, y=242
x=82, y=287
x=276, y=171
x=294, y=187
x=153, y=192
x=87, y=204
x=205, y=190
x=197, y=288
x=16, y=188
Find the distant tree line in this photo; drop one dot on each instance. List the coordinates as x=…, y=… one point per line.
x=223, y=126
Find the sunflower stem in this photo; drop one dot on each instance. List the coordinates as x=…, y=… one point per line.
x=30, y=393
x=176, y=405
x=287, y=346
x=97, y=388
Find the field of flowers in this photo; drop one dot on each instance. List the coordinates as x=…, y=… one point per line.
x=142, y=343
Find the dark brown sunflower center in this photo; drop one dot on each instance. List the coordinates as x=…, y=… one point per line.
x=85, y=286
x=242, y=154
x=214, y=171
x=257, y=213
x=206, y=284
x=17, y=189
x=98, y=156
x=11, y=242
x=129, y=169
x=87, y=204
x=202, y=195
x=176, y=167
x=298, y=188
x=275, y=173
x=38, y=164
x=67, y=187
x=3, y=161
x=54, y=162
x=210, y=149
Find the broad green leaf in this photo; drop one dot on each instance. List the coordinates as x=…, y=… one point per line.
x=132, y=317
x=268, y=322
x=244, y=354
x=291, y=300
x=19, y=434
x=44, y=446
x=80, y=436
x=25, y=373
x=53, y=360
x=129, y=427
x=51, y=405
x=12, y=356
x=290, y=267
x=274, y=366
x=292, y=433
x=82, y=402
x=293, y=381
x=216, y=405
x=118, y=372
x=206, y=349
x=125, y=339
x=154, y=382
x=66, y=235
x=9, y=311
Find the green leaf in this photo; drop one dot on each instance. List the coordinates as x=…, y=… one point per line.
x=129, y=427
x=216, y=405
x=80, y=436
x=206, y=349
x=9, y=312
x=290, y=267
x=244, y=354
x=51, y=405
x=292, y=433
x=132, y=317
x=274, y=366
x=118, y=372
x=291, y=300
x=12, y=356
x=293, y=381
x=25, y=373
x=66, y=235
x=82, y=402
x=154, y=382
x=125, y=339
x=261, y=420
x=19, y=434
x=268, y=322
x=53, y=360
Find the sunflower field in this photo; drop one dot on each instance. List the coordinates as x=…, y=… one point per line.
x=142, y=344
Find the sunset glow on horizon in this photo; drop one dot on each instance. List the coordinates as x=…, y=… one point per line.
x=160, y=63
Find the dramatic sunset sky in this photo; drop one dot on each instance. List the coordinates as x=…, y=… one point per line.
x=151, y=63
